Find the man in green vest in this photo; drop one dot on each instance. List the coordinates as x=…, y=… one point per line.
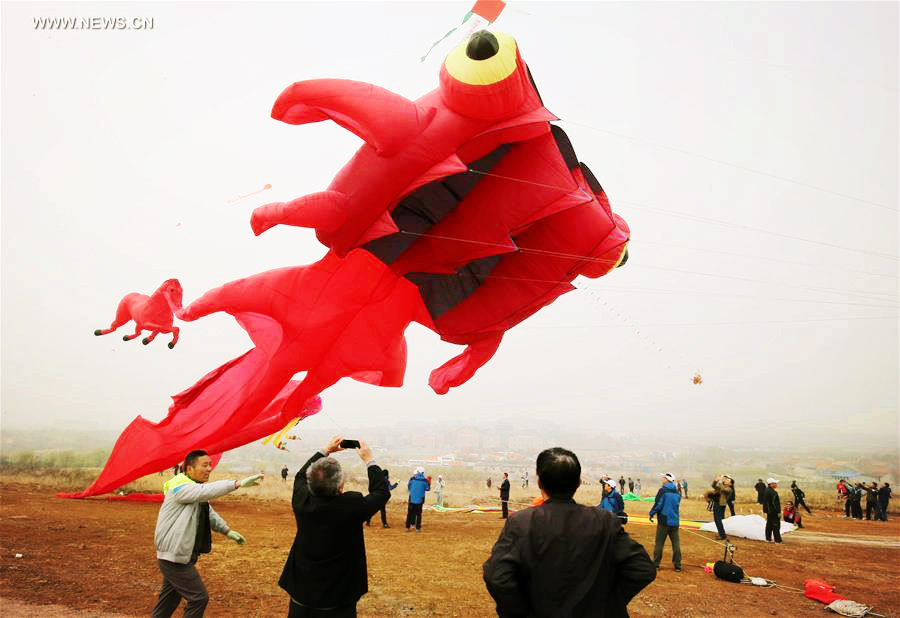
x=184, y=531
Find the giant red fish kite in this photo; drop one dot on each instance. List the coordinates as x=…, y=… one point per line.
x=465, y=211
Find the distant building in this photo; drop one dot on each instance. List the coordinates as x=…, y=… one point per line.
x=427, y=441
x=468, y=440
x=491, y=442
x=525, y=443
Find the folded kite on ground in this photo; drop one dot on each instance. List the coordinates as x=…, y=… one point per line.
x=747, y=526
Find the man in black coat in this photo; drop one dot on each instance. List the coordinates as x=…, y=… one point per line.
x=562, y=559
x=871, y=500
x=772, y=507
x=504, y=496
x=760, y=488
x=325, y=572
x=884, y=499
x=799, y=495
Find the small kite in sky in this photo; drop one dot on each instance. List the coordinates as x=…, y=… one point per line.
x=482, y=14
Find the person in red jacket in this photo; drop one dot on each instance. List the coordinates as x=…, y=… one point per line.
x=791, y=515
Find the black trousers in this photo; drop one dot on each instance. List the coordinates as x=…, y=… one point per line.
x=773, y=526
x=180, y=581
x=856, y=509
x=383, y=517
x=718, y=515
x=800, y=502
x=847, y=504
x=414, y=516
x=504, y=504
x=302, y=611
x=870, y=507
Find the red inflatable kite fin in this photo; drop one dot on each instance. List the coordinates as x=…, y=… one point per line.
x=324, y=211
x=460, y=368
x=384, y=120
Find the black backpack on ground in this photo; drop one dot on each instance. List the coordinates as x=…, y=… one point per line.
x=728, y=571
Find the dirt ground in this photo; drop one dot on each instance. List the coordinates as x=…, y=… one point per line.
x=96, y=558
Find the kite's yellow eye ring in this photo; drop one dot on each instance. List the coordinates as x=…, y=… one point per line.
x=483, y=72
x=623, y=257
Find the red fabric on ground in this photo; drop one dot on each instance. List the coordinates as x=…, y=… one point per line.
x=820, y=591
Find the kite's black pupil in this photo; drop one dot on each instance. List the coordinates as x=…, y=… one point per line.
x=482, y=45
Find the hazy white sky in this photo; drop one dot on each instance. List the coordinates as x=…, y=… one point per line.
x=752, y=148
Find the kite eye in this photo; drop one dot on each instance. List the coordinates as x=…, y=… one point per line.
x=484, y=60
x=622, y=258
x=484, y=78
x=482, y=45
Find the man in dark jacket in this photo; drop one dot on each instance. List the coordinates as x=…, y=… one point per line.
x=884, y=499
x=760, y=488
x=772, y=507
x=732, y=496
x=856, y=493
x=562, y=559
x=871, y=500
x=326, y=567
x=798, y=497
x=504, y=496
x=387, y=478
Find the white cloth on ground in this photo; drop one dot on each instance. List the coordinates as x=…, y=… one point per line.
x=746, y=526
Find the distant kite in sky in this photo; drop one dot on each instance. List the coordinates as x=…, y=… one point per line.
x=465, y=211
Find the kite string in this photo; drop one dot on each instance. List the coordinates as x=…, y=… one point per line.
x=333, y=422
x=588, y=258
x=706, y=157
x=565, y=255
x=725, y=545
x=514, y=247
x=638, y=331
x=733, y=165
x=697, y=217
x=531, y=182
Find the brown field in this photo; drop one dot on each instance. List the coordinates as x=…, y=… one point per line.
x=96, y=558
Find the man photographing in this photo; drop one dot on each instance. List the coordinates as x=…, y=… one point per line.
x=325, y=572
x=184, y=531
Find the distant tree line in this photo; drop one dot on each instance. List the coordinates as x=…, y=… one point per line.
x=29, y=460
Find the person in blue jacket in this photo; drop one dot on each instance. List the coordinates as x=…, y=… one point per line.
x=612, y=500
x=666, y=506
x=417, y=487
